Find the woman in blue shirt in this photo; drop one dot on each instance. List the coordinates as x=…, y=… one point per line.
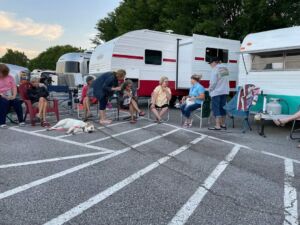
x=193, y=101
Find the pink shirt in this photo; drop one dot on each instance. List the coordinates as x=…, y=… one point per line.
x=7, y=84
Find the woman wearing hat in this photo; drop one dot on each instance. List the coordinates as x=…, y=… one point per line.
x=193, y=101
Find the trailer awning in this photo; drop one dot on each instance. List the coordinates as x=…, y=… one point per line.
x=270, y=41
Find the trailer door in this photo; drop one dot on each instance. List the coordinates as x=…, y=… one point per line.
x=184, y=64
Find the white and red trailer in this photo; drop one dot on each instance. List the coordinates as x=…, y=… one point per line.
x=147, y=55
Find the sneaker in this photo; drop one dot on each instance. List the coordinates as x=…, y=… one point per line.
x=22, y=124
x=3, y=126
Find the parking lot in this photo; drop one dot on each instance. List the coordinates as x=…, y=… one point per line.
x=146, y=173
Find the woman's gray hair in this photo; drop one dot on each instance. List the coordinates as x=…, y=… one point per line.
x=34, y=79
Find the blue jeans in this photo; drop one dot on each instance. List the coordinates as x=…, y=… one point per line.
x=218, y=103
x=188, y=109
x=5, y=106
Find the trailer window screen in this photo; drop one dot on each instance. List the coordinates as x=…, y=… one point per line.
x=153, y=57
x=268, y=61
x=222, y=54
x=292, y=60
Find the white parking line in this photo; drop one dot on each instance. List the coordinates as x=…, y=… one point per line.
x=51, y=160
x=36, y=131
x=290, y=195
x=119, y=134
x=79, y=167
x=232, y=143
x=189, y=207
x=61, y=140
x=77, y=210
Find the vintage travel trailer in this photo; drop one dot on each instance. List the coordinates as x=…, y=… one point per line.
x=147, y=55
x=76, y=64
x=271, y=61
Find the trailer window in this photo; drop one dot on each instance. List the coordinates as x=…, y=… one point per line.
x=153, y=57
x=268, y=61
x=292, y=60
x=72, y=67
x=222, y=54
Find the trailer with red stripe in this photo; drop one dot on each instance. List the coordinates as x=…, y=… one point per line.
x=148, y=55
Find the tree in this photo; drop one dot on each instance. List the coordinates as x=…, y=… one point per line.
x=48, y=58
x=15, y=57
x=229, y=19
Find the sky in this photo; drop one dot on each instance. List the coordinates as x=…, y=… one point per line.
x=31, y=26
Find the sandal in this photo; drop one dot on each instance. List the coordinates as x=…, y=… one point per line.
x=133, y=121
x=105, y=122
x=214, y=128
x=142, y=113
x=223, y=127
x=45, y=124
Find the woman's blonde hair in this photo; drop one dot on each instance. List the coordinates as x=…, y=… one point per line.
x=162, y=80
x=120, y=74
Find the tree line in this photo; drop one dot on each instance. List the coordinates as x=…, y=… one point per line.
x=228, y=19
x=232, y=19
x=45, y=60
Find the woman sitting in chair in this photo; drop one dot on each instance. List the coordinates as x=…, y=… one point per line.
x=8, y=93
x=38, y=94
x=160, y=99
x=129, y=100
x=193, y=101
x=87, y=97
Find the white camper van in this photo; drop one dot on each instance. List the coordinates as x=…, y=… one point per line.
x=271, y=61
x=18, y=72
x=76, y=64
x=147, y=55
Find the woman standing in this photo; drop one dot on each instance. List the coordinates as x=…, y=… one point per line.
x=193, y=101
x=160, y=99
x=8, y=93
x=38, y=94
x=103, y=87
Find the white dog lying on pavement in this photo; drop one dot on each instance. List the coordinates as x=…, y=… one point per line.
x=73, y=126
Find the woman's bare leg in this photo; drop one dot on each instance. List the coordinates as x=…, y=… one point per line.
x=287, y=119
x=132, y=111
x=45, y=106
x=135, y=105
x=156, y=113
x=163, y=111
x=40, y=106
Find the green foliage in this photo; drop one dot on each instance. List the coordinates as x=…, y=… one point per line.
x=15, y=57
x=229, y=19
x=48, y=58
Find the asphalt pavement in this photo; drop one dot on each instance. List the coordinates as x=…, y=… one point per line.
x=149, y=173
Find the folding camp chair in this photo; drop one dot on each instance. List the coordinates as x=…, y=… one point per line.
x=32, y=111
x=233, y=112
x=198, y=113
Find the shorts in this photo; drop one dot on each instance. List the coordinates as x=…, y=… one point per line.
x=218, y=102
x=103, y=103
x=160, y=107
